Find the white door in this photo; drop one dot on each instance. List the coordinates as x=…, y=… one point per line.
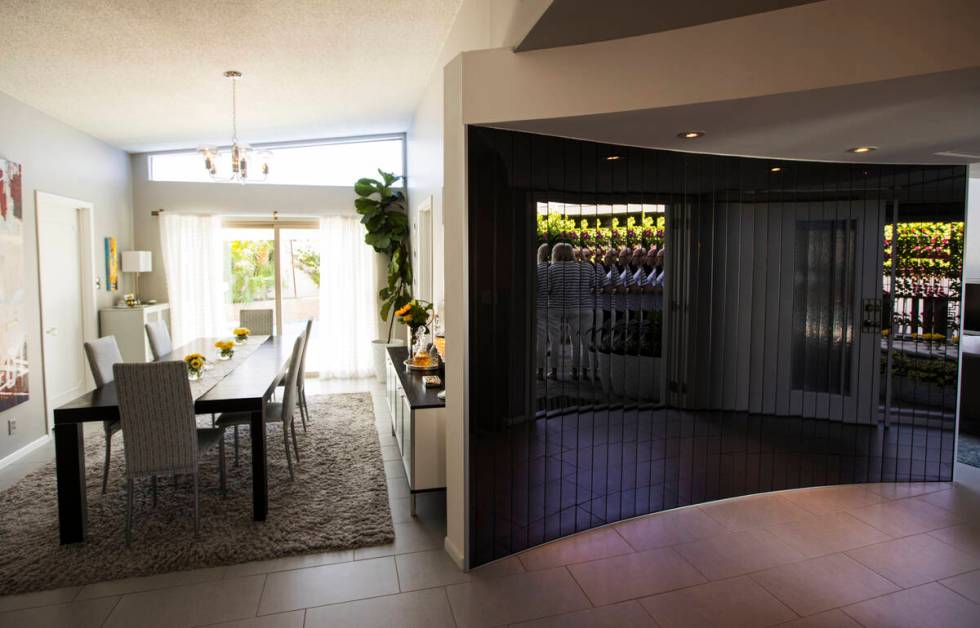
x=59, y=232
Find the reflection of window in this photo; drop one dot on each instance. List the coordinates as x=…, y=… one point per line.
x=337, y=163
x=823, y=312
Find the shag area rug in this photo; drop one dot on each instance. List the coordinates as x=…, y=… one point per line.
x=339, y=500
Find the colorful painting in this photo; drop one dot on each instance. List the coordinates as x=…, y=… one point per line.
x=13, y=324
x=111, y=265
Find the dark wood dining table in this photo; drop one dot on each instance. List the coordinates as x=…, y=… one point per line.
x=246, y=388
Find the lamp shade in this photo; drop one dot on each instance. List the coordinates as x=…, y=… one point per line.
x=137, y=261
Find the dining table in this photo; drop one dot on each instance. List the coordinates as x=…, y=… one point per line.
x=245, y=383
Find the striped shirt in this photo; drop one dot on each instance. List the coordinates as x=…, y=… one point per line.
x=571, y=285
x=635, y=300
x=542, y=281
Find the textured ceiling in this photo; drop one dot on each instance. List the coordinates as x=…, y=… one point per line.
x=926, y=119
x=147, y=75
x=569, y=22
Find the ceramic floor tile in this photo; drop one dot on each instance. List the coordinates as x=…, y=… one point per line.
x=423, y=570
x=915, y=560
x=39, y=598
x=962, y=500
x=830, y=619
x=289, y=562
x=823, y=583
x=669, y=528
x=734, y=603
x=755, y=511
x=149, y=583
x=511, y=599
x=413, y=536
x=189, y=605
x=390, y=452
x=394, y=469
x=498, y=568
x=293, y=619
x=631, y=576
x=828, y=534
x=329, y=584
x=828, y=499
x=721, y=557
x=929, y=606
x=904, y=517
x=80, y=614
x=622, y=615
x=965, y=536
x=901, y=490
x=967, y=585
x=418, y=609
x=590, y=545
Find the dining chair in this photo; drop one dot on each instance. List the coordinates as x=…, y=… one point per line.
x=275, y=412
x=161, y=434
x=259, y=322
x=159, y=336
x=102, y=354
x=304, y=411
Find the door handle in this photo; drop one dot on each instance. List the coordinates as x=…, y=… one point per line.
x=53, y=331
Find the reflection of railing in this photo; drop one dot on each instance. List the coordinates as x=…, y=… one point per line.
x=11, y=370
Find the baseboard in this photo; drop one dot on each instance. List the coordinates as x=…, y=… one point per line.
x=23, y=451
x=455, y=554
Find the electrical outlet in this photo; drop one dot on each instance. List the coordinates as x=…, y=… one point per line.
x=11, y=427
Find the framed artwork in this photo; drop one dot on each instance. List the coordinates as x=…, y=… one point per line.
x=14, y=370
x=111, y=265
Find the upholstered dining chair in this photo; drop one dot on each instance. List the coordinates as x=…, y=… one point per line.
x=102, y=354
x=161, y=434
x=159, y=337
x=259, y=322
x=274, y=412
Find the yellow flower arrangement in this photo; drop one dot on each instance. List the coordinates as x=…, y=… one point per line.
x=195, y=363
x=241, y=333
x=226, y=348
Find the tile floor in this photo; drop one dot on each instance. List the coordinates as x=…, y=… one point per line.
x=845, y=556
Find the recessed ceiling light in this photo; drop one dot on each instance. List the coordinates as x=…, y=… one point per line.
x=690, y=135
x=613, y=157
x=775, y=169
x=862, y=149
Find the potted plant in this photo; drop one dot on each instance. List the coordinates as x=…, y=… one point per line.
x=384, y=216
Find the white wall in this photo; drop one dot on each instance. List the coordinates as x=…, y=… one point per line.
x=971, y=256
x=59, y=159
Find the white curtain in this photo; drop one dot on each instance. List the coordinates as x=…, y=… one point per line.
x=192, y=259
x=347, y=299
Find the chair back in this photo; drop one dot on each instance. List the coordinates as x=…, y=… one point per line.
x=259, y=322
x=159, y=336
x=157, y=413
x=102, y=354
x=302, y=358
x=290, y=392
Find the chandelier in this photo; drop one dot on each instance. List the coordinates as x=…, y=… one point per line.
x=244, y=159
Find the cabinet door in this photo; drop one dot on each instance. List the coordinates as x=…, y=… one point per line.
x=408, y=444
x=400, y=420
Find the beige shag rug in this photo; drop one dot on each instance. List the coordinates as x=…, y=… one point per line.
x=339, y=500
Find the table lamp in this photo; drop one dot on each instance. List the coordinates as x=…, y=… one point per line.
x=137, y=262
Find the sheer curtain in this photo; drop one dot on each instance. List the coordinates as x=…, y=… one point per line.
x=347, y=303
x=192, y=259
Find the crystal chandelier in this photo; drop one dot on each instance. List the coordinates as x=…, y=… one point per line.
x=243, y=159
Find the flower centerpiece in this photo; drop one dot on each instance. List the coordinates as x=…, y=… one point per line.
x=226, y=349
x=416, y=315
x=241, y=334
x=195, y=364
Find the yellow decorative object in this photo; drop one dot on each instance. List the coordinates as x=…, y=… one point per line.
x=195, y=364
x=241, y=333
x=226, y=348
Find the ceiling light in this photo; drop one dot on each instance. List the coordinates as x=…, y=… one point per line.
x=243, y=158
x=862, y=149
x=690, y=135
x=613, y=158
x=775, y=169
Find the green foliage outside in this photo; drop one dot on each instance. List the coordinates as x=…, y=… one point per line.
x=253, y=275
x=308, y=261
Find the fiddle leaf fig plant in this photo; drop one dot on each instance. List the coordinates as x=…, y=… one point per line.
x=384, y=216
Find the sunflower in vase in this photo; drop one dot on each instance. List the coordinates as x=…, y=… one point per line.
x=195, y=364
x=416, y=315
x=241, y=334
x=226, y=349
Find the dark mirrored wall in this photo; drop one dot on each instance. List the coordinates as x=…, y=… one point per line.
x=650, y=329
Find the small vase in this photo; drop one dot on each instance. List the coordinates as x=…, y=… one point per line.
x=225, y=355
x=420, y=341
x=240, y=340
x=193, y=375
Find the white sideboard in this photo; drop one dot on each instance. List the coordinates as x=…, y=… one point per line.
x=127, y=325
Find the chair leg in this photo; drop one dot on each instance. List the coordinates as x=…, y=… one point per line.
x=221, y=465
x=105, y=469
x=292, y=428
x=306, y=408
x=236, y=445
x=154, y=491
x=285, y=442
x=129, y=510
x=302, y=409
x=197, y=516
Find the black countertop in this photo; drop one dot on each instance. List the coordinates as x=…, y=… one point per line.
x=419, y=397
